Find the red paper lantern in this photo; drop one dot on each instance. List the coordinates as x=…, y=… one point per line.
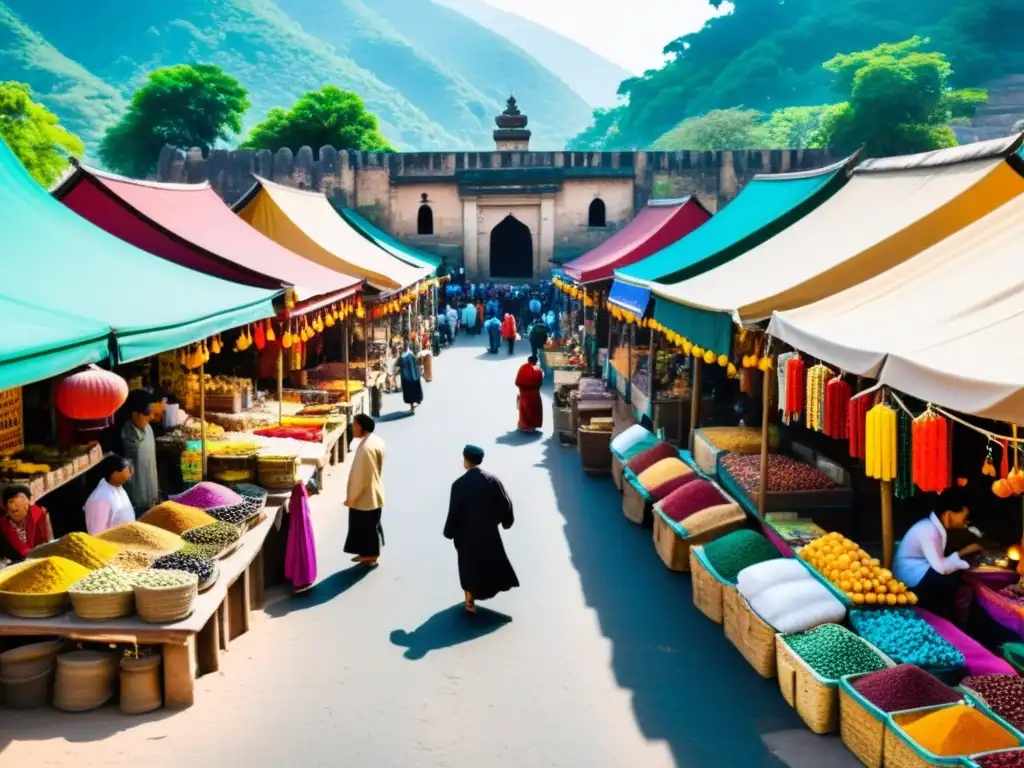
x=91, y=394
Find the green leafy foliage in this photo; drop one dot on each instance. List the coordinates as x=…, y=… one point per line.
x=766, y=55
x=898, y=100
x=35, y=134
x=328, y=117
x=604, y=130
x=718, y=129
x=185, y=106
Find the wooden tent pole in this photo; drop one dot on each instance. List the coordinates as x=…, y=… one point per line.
x=280, y=381
x=202, y=416
x=344, y=352
x=695, y=395
x=766, y=401
x=885, y=487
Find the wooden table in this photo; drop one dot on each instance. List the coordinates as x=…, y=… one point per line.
x=191, y=647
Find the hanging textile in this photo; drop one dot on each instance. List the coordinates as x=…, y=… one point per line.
x=837, y=403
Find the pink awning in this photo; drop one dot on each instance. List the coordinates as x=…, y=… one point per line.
x=190, y=225
x=657, y=226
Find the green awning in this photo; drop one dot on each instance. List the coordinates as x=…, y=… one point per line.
x=66, y=269
x=399, y=250
x=768, y=204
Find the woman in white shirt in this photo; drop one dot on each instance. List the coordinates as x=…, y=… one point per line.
x=108, y=505
x=922, y=564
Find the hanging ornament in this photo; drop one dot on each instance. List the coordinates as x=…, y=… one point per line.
x=90, y=394
x=260, y=339
x=269, y=334
x=287, y=339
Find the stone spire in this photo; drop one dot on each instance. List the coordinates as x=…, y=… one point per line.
x=512, y=133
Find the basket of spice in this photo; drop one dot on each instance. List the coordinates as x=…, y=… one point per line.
x=103, y=595
x=866, y=701
x=694, y=513
x=1000, y=693
x=241, y=515
x=717, y=565
x=164, y=596
x=91, y=552
x=707, y=586
x=219, y=539
x=39, y=590
x=1000, y=758
x=176, y=517
x=194, y=559
x=810, y=665
x=945, y=735
x=138, y=537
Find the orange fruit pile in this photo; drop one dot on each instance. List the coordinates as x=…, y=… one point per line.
x=851, y=569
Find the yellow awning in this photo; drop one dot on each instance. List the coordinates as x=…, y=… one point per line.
x=306, y=223
x=892, y=209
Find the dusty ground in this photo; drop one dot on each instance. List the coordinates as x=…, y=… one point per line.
x=599, y=659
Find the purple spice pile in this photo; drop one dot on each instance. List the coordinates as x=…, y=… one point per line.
x=1012, y=759
x=1004, y=695
x=904, y=687
x=206, y=495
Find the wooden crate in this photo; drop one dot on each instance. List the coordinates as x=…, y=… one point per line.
x=224, y=403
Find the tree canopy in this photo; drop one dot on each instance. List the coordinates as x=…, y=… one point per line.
x=188, y=105
x=766, y=55
x=34, y=134
x=328, y=117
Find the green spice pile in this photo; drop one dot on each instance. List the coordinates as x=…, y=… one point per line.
x=201, y=567
x=104, y=581
x=201, y=551
x=153, y=579
x=832, y=652
x=219, y=535
x=737, y=550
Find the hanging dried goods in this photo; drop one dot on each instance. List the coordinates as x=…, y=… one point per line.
x=904, y=486
x=932, y=454
x=795, y=387
x=817, y=376
x=880, y=443
x=837, y=400
x=857, y=413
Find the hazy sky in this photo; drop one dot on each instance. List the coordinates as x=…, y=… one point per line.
x=630, y=33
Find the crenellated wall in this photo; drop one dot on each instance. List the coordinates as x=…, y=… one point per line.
x=388, y=188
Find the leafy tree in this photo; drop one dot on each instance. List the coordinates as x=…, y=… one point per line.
x=34, y=134
x=719, y=129
x=328, y=117
x=898, y=100
x=798, y=127
x=602, y=134
x=188, y=105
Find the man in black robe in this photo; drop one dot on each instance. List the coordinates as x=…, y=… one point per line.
x=479, y=504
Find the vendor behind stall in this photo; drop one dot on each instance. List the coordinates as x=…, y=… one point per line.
x=23, y=526
x=921, y=562
x=139, y=447
x=108, y=505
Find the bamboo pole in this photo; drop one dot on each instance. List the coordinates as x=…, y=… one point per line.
x=695, y=395
x=202, y=416
x=344, y=353
x=366, y=356
x=885, y=487
x=280, y=383
x=766, y=401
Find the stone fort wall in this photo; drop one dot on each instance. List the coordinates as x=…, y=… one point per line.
x=387, y=188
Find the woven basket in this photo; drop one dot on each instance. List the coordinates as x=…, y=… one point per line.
x=861, y=724
x=674, y=549
x=167, y=605
x=85, y=680
x=634, y=505
x=903, y=752
x=562, y=419
x=35, y=606
x=102, y=606
x=29, y=661
x=753, y=637
x=707, y=587
x=730, y=615
x=595, y=451
x=813, y=697
x=213, y=578
x=618, y=468
x=140, y=685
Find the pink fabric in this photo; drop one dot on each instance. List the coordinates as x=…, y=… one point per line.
x=191, y=226
x=979, y=660
x=300, y=551
x=654, y=228
x=690, y=499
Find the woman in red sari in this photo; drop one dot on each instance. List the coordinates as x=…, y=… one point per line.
x=529, y=379
x=24, y=526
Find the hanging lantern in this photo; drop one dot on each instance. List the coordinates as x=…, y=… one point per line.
x=270, y=335
x=260, y=338
x=91, y=394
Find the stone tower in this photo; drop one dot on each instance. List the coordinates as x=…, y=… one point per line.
x=512, y=134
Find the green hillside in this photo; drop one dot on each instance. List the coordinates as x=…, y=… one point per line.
x=84, y=60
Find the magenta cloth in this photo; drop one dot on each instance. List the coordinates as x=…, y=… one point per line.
x=657, y=226
x=777, y=541
x=651, y=456
x=979, y=660
x=190, y=225
x=659, y=492
x=300, y=551
x=691, y=498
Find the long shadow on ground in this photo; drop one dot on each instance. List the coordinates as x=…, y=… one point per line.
x=691, y=688
x=324, y=591
x=446, y=628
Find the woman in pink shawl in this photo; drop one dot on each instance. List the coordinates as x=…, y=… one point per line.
x=300, y=551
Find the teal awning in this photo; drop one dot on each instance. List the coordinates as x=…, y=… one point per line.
x=399, y=250
x=768, y=204
x=73, y=275
x=703, y=328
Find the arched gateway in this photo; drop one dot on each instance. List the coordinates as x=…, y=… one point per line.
x=511, y=250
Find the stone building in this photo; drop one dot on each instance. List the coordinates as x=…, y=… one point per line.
x=504, y=215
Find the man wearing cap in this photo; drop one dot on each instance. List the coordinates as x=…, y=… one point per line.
x=365, y=496
x=478, y=506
